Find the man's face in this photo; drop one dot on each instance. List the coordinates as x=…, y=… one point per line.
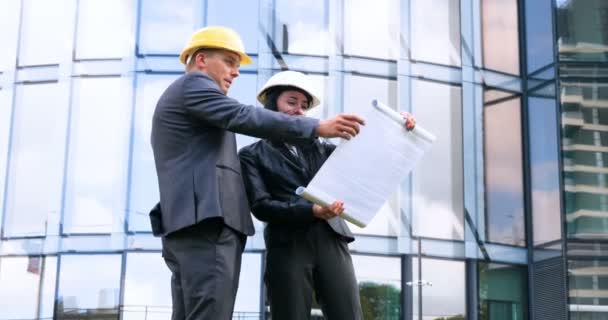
x=221, y=65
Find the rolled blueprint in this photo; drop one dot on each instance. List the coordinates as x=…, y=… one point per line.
x=364, y=171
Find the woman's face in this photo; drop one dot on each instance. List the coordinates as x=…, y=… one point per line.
x=292, y=102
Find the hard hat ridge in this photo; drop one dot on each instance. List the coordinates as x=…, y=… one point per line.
x=215, y=37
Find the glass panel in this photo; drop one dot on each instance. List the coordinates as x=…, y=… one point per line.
x=166, y=25
x=99, y=145
x=587, y=284
x=47, y=298
x=147, y=293
x=443, y=289
x=245, y=21
x=144, y=183
x=6, y=110
x=95, y=37
x=80, y=293
x=581, y=33
x=34, y=186
x=44, y=29
x=27, y=287
x=373, y=28
x=247, y=304
x=545, y=171
x=539, y=34
x=502, y=292
x=298, y=33
x=581, y=28
x=437, y=198
x=380, y=288
x=436, y=31
x=503, y=171
x=9, y=23
x=244, y=89
x=321, y=83
x=19, y=287
x=584, y=156
x=20, y=281
x=500, y=35
x=360, y=91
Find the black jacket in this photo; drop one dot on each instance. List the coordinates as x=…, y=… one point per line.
x=271, y=174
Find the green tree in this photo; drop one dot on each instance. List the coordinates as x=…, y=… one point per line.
x=380, y=301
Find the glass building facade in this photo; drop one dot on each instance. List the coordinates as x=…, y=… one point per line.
x=582, y=28
x=506, y=217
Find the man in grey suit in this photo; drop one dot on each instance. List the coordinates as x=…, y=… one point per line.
x=203, y=215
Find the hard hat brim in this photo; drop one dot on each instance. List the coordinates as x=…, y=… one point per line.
x=245, y=59
x=294, y=79
x=262, y=95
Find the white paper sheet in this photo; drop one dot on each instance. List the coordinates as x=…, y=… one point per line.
x=364, y=171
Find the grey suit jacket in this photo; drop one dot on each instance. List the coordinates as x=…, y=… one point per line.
x=199, y=173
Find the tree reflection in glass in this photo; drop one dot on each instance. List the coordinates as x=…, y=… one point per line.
x=502, y=292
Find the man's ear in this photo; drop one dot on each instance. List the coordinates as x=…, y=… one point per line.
x=199, y=59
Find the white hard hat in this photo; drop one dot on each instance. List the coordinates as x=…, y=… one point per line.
x=293, y=79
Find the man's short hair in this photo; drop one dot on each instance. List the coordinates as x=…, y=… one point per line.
x=190, y=60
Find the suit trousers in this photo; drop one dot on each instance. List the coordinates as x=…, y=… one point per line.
x=314, y=260
x=205, y=262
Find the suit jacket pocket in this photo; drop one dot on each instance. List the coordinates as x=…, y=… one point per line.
x=156, y=220
x=233, y=199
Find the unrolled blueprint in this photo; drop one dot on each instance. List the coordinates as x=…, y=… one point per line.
x=364, y=171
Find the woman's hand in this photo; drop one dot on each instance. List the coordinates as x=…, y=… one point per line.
x=326, y=213
x=410, y=121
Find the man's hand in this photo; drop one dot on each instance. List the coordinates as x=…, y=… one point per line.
x=410, y=121
x=326, y=213
x=343, y=125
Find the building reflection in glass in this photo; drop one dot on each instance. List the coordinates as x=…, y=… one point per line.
x=583, y=52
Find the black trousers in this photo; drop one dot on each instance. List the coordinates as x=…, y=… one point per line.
x=313, y=260
x=205, y=262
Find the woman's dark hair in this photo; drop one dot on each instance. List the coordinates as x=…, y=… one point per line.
x=272, y=95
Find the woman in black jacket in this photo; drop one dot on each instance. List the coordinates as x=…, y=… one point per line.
x=307, y=245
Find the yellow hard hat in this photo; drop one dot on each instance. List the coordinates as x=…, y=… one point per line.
x=215, y=37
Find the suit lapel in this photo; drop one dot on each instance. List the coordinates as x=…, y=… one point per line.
x=289, y=157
